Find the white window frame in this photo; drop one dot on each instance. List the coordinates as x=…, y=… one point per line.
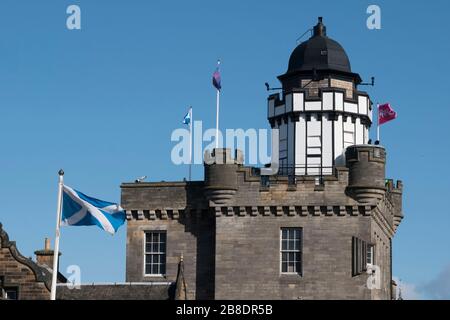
x=370, y=253
x=298, y=250
x=160, y=253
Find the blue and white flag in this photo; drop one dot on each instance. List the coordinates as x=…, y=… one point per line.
x=187, y=118
x=81, y=210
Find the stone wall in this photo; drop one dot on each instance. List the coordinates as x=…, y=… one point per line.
x=191, y=235
x=231, y=247
x=381, y=240
x=21, y=273
x=346, y=85
x=248, y=258
x=312, y=87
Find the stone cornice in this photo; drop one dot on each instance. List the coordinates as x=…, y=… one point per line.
x=291, y=211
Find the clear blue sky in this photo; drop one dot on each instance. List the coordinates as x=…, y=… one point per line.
x=102, y=103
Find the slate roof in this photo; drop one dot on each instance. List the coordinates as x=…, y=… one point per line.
x=124, y=291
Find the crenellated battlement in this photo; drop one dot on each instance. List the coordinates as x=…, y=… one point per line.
x=391, y=186
x=315, y=130
x=229, y=182
x=329, y=100
x=395, y=194
x=223, y=156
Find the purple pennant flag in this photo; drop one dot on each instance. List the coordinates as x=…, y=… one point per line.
x=216, y=79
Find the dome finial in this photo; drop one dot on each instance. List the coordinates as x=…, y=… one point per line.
x=320, y=29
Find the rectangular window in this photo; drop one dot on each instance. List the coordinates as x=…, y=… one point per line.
x=370, y=254
x=349, y=138
x=11, y=293
x=291, y=250
x=359, y=256
x=155, y=253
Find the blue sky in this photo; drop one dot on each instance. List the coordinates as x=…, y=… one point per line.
x=102, y=103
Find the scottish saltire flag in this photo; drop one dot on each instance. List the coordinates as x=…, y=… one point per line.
x=386, y=113
x=187, y=118
x=216, y=80
x=79, y=209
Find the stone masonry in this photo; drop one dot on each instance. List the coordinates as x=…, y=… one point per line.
x=228, y=228
x=29, y=280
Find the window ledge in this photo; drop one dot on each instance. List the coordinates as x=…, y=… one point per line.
x=290, y=278
x=150, y=277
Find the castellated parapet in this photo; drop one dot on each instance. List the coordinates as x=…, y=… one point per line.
x=227, y=228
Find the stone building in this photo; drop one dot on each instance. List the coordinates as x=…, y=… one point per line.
x=310, y=232
x=321, y=228
x=21, y=277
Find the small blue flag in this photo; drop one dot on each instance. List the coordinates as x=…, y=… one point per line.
x=187, y=118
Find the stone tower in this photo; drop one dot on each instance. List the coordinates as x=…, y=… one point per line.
x=320, y=112
x=320, y=229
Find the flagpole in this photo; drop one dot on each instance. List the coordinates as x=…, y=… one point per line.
x=217, y=111
x=378, y=122
x=190, y=144
x=57, y=233
x=217, y=118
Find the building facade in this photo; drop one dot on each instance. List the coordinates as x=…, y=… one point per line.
x=23, y=278
x=321, y=228
x=20, y=277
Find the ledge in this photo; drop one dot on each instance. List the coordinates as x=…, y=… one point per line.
x=290, y=278
x=161, y=184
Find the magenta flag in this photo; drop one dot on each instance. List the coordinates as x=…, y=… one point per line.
x=386, y=113
x=216, y=79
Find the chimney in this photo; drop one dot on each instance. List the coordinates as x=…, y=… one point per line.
x=44, y=257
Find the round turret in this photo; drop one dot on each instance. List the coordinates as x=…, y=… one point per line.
x=366, y=165
x=221, y=175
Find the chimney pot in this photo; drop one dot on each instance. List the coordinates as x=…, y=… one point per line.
x=45, y=256
x=47, y=244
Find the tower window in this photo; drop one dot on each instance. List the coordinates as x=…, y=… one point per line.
x=370, y=255
x=359, y=256
x=349, y=138
x=155, y=253
x=291, y=250
x=10, y=294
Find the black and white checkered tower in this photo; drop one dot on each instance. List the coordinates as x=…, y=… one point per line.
x=320, y=111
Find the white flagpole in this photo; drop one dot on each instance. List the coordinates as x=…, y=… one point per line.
x=56, y=247
x=217, y=118
x=378, y=122
x=190, y=143
x=217, y=112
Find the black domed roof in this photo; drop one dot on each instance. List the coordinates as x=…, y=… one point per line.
x=320, y=53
